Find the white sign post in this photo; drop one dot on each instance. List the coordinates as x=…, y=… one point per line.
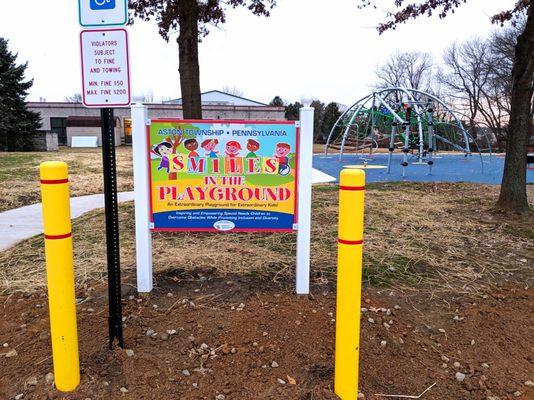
x=143, y=235
x=103, y=12
x=305, y=199
x=105, y=68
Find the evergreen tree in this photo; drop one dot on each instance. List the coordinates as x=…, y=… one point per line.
x=277, y=102
x=293, y=111
x=317, y=119
x=16, y=121
x=330, y=117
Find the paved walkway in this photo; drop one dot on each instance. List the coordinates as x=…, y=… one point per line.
x=321, y=177
x=24, y=222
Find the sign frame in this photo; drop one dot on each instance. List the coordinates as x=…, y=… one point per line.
x=128, y=72
x=296, y=124
x=143, y=233
x=81, y=14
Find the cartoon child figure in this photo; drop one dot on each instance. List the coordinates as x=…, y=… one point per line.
x=163, y=150
x=232, y=149
x=281, y=154
x=252, y=146
x=191, y=145
x=209, y=146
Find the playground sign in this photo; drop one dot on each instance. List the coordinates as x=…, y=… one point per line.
x=214, y=175
x=93, y=13
x=222, y=175
x=105, y=68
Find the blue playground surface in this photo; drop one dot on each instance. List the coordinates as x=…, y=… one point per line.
x=446, y=168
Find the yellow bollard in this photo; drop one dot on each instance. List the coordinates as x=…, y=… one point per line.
x=349, y=283
x=60, y=274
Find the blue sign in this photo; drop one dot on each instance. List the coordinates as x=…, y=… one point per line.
x=103, y=12
x=102, y=4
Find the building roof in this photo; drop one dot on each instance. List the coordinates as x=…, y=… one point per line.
x=217, y=97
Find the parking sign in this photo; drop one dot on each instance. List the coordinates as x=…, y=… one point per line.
x=103, y=12
x=105, y=68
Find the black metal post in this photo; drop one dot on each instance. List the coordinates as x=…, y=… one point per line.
x=112, y=227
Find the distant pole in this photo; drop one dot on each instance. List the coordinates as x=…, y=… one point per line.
x=60, y=274
x=406, y=148
x=349, y=283
x=305, y=199
x=392, y=144
x=143, y=236
x=430, y=118
x=112, y=226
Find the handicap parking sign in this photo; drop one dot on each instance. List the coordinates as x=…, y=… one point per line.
x=103, y=12
x=102, y=4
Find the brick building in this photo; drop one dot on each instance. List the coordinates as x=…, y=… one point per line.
x=73, y=119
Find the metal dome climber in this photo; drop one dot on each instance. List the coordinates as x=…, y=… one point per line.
x=416, y=122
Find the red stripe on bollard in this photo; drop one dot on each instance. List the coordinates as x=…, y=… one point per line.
x=54, y=181
x=351, y=242
x=56, y=237
x=354, y=188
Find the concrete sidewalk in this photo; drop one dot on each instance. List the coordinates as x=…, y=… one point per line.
x=24, y=222
x=321, y=177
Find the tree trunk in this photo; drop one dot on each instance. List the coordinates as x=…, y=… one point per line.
x=513, y=196
x=188, y=55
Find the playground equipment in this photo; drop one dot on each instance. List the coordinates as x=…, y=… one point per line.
x=415, y=122
x=349, y=282
x=60, y=274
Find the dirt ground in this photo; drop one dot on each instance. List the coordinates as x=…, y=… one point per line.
x=238, y=336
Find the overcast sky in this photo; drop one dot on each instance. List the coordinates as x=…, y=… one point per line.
x=324, y=49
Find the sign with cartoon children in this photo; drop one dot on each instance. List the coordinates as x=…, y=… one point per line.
x=223, y=176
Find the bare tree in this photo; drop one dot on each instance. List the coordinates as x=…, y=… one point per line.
x=233, y=90
x=513, y=195
x=412, y=70
x=390, y=74
x=75, y=98
x=466, y=74
x=498, y=95
x=478, y=77
x=147, y=97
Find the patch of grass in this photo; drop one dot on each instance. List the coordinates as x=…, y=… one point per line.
x=269, y=180
x=397, y=270
x=326, y=188
x=19, y=174
x=18, y=165
x=424, y=236
x=521, y=230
